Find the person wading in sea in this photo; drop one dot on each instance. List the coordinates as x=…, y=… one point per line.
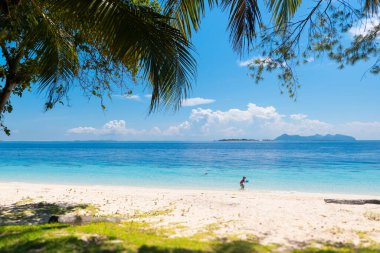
x=242, y=182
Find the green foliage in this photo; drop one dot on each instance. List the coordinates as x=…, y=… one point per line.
x=283, y=11
x=24, y=201
x=51, y=46
x=277, y=42
x=294, y=41
x=133, y=237
x=154, y=4
x=243, y=18
x=125, y=237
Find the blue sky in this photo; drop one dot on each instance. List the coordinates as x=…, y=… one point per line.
x=225, y=103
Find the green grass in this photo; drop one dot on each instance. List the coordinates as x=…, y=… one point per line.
x=110, y=237
x=339, y=249
x=86, y=209
x=152, y=213
x=132, y=236
x=24, y=201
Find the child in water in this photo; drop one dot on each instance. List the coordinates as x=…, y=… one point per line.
x=242, y=181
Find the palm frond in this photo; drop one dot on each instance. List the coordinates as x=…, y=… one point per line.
x=283, y=11
x=243, y=18
x=133, y=32
x=53, y=49
x=187, y=14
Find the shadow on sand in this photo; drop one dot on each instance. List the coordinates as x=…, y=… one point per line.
x=62, y=244
x=34, y=213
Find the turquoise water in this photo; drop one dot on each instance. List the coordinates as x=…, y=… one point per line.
x=346, y=167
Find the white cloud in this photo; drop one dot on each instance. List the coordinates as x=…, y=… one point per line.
x=116, y=127
x=256, y=61
x=255, y=121
x=245, y=63
x=361, y=130
x=148, y=96
x=251, y=122
x=128, y=97
x=235, y=115
x=82, y=130
x=298, y=116
x=132, y=97
x=178, y=129
x=113, y=127
x=197, y=101
x=364, y=26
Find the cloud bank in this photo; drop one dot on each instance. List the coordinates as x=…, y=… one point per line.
x=113, y=127
x=197, y=101
x=185, y=102
x=251, y=122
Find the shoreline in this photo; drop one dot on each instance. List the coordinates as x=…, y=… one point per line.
x=201, y=189
x=281, y=217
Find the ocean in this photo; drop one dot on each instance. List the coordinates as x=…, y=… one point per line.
x=339, y=167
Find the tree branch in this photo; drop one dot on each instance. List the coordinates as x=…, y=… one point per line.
x=6, y=93
x=10, y=82
x=5, y=52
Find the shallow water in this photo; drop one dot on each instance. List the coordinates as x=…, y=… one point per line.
x=345, y=167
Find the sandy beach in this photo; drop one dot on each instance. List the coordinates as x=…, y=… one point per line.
x=286, y=218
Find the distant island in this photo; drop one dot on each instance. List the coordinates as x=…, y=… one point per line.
x=299, y=138
x=244, y=140
x=317, y=137
x=238, y=140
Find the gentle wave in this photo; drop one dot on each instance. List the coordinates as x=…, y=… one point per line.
x=346, y=167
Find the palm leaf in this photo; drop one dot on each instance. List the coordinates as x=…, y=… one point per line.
x=187, y=14
x=133, y=32
x=243, y=18
x=51, y=46
x=283, y=11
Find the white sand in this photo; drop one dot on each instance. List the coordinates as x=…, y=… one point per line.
x=288, y=218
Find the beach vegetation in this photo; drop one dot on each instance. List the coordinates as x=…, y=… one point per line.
x=365, y=239
x=86, y=209
x=26, y=200
x=53, y=46
x=138, y=237
x=207, y=233
x=342, y=249
x=213, y=226
x=374, y=216
x=125, y=237
x=297, y=33
x=345, y=32
x=32, y=233
x=177, y=226
x=151, y=213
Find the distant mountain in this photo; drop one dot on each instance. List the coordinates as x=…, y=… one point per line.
x=317, y=137
x=238, y=140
